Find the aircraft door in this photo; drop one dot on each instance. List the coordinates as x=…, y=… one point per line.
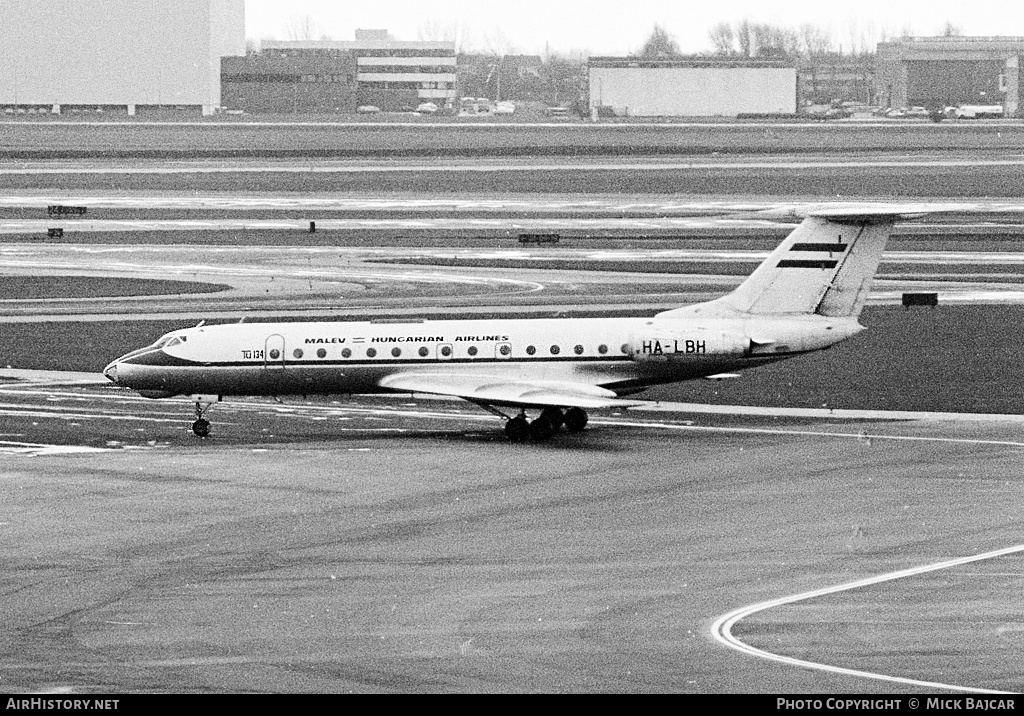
x=503, y=351
x=444, y=351
x=273, y=355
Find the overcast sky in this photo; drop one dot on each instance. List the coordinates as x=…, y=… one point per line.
x=616, y=27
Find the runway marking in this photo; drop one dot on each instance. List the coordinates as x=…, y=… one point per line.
x=721, y=630
x=38, y=449
x=826, y=413
x=492, y=167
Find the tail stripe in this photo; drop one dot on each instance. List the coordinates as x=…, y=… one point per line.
x=807, y=263
x=830, y=248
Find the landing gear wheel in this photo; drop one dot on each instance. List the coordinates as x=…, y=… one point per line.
x=575, y=420
x=201, y=427
x=517, y=429
x=541, y=429
x=554, y=416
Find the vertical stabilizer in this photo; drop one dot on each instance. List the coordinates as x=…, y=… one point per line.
x=825, y=267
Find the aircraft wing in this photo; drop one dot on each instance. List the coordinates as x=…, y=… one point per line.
x=491, y=390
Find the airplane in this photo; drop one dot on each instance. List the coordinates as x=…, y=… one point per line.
x=806, y=296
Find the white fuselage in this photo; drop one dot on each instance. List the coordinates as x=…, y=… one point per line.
x=624, y=355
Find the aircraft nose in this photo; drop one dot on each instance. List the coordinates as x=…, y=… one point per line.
x=111, y=372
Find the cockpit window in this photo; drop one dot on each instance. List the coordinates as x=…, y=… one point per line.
x=169, y=340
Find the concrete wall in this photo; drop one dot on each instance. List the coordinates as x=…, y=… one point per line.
x=694, y=91
x=117, y=52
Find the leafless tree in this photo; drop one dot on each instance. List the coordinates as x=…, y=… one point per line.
x=660, y=44
x=438, y=31
x=951, y=30
x=303, y=28
x=723, y=38
x=497, y=43
x=745, y=38
x=775, y=41
x=815, y=42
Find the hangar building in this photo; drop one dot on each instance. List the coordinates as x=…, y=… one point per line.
x=938, y=72
x=61, y=54
x=640, y=87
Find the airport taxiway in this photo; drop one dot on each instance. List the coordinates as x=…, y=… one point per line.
x=398, y=544
x=403, y=545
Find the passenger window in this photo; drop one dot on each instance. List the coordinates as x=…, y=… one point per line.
x=322, y=352
x=625, y=348
x=424, y=352
x=396, y=352
x=371, y=352
x=505, y=350
x=275, y=354
x=345, y=352
x=472, y=350
x=602, y=349
x=555, y=350
x=578, y=350
x=530, y=350
x=446, y=351
x=297, y=353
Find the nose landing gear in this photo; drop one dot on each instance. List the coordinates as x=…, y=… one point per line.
x=201, y=426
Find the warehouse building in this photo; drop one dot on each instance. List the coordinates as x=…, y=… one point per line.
x=639, y=87
x=290, y=82
x=389, y=74
x=938, y=72
x=61, y=55
x=834, y=79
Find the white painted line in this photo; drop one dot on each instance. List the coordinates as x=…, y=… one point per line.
x=645, y=166
x=721, y=630
x=826, y=413
x=38, y=449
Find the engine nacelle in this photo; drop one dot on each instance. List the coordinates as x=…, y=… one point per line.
x=667, y=343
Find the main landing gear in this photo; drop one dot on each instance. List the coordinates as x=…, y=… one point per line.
x=550, y=421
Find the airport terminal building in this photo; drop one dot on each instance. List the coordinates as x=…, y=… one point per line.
x=67, y=55
x=641, y=87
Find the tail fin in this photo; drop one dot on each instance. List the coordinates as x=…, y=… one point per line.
x=825, y=266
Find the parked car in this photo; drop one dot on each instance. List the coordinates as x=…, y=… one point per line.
x=367, y=109
x=426, y=108
x=557, y=112
x=908, y=113
x=978, y=111
x=505, y=107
